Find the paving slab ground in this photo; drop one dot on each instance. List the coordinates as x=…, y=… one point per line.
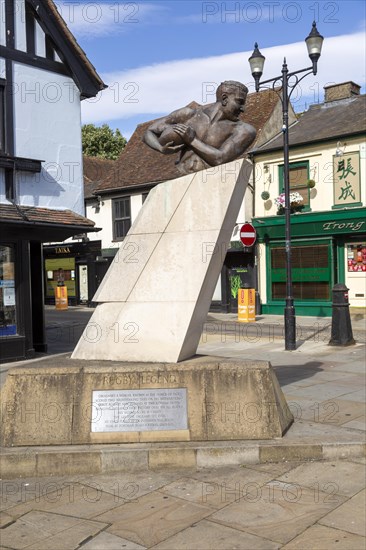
x=305, y=491
x=292, y=505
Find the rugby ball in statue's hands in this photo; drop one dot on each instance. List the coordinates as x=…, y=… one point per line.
x=170, y=136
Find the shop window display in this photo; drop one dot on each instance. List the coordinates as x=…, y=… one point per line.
x=60, y=271
x=356, y=257
x=8, y=325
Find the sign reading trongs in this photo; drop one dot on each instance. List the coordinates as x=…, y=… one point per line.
x=334, y=226
x=139, y=410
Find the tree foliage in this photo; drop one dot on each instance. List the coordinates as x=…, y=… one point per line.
x=102, y=141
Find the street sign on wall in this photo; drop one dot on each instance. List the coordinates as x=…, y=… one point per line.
x=248, y=234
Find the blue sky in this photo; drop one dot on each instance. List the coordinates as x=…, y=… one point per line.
x=156, y=55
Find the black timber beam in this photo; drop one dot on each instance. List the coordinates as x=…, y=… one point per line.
x=87, y=83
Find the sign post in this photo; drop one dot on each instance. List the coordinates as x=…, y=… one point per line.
x=248, y=234
x=246, y=296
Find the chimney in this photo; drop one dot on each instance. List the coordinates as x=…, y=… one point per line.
x=345, y=90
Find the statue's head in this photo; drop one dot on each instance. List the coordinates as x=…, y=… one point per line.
x=232, y=96
x=230, y=87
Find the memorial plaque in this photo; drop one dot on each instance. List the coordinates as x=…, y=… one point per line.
x=139, y=410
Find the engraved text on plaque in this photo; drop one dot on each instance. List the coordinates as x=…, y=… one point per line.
x=139, y=410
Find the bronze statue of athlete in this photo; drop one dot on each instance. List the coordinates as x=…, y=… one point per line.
x=208, y=135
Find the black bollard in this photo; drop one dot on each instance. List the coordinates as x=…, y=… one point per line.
x=341, y=320
x=258, y=304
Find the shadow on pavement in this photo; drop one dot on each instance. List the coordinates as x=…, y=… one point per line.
x=287, y=374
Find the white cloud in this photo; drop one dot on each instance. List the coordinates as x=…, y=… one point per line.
x=96, y=19
x=90, y=20
x=157, y=89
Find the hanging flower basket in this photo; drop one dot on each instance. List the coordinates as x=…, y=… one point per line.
x=296, y=203
x=311, y=184
x=265, y=195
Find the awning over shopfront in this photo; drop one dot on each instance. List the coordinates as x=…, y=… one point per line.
x=313, y=224
x=41, y=224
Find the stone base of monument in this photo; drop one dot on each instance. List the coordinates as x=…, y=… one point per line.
x=93, y=402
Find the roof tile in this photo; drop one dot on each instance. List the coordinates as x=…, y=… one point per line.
x=95, y=172
x=324, y=122
x=35, y=214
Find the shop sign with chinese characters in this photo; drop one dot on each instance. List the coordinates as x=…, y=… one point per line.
x=346, y=174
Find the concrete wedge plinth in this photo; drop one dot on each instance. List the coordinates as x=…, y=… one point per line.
x=93, y=402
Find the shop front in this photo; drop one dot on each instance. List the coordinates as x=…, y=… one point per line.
x=8, y=317
x=238, y=271
x=21, y=316
x=23, y=229
x=326, y=248
x=78, y=266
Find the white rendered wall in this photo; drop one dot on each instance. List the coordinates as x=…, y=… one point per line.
x=40, y=43
x=2, y=186
x=2, y=23
x=136, y=204
x=320, y=159
x=48, y=128
x=102, y=218
x=2, y=67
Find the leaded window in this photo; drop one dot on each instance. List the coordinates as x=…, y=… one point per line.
x=121, y=217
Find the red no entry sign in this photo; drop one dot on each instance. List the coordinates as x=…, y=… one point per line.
x=248, y=234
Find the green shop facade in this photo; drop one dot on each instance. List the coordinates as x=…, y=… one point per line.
x=327, y=247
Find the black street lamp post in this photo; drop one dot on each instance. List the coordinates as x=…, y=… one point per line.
x=314, y=45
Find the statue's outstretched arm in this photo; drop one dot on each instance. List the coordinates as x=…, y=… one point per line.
x=152, y=134
x=233, y=146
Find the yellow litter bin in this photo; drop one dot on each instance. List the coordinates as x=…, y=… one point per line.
x=246, y=305
x=61, y=297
